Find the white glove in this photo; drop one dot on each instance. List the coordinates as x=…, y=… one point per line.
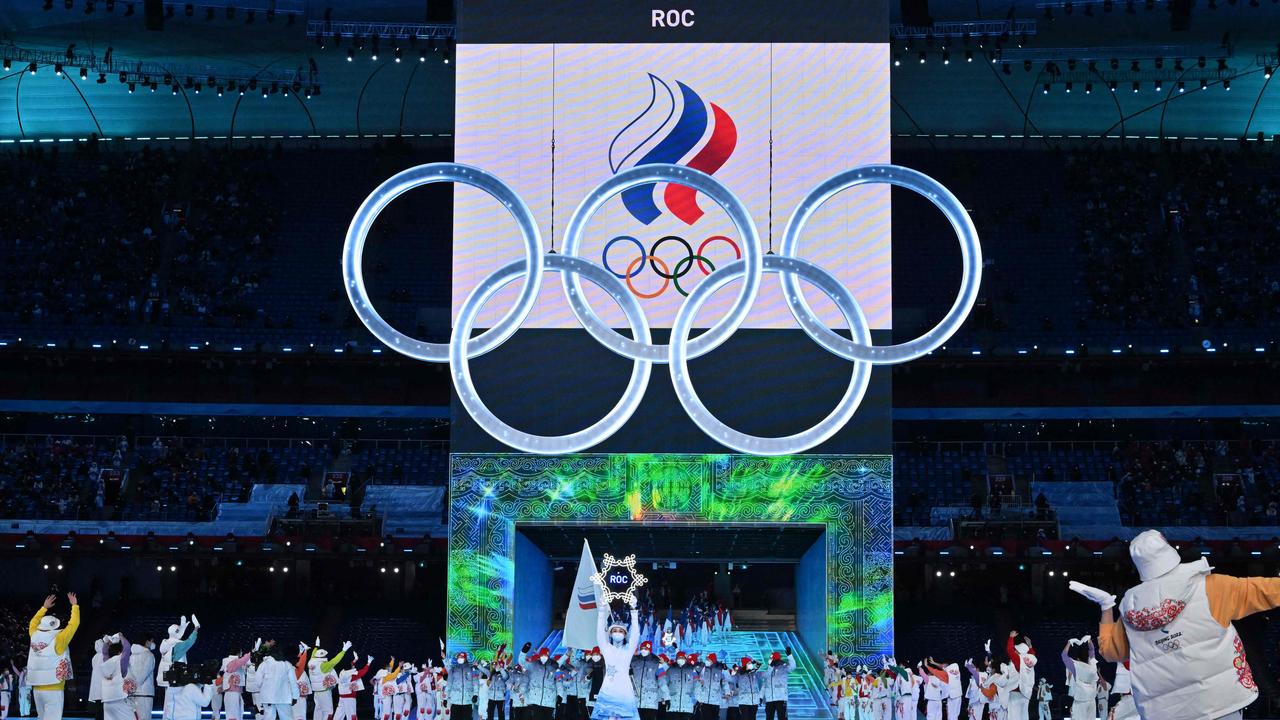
x=317, y=641
x=182, y=624
x=1085, y=640
x=257, y=644
x=114, y=638
x=885, y=660
x=346, y=646
x=302, y=647
x=1104, y=599
x=987, y=646
x=368, y=659
x=195, y=621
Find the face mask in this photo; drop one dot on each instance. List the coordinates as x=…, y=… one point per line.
x=644, y=653
x=543, y=659
x=617, y=637
x=595, y=658
x=680, y=662
x=707, y=663
x=460, y=660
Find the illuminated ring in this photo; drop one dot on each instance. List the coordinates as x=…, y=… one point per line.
x=604, y=256
x=737, y=250
x=393, y=187
x=676, y=274
x=755, y=445
x=970, y=255
x=638, y=262
x=543, y=444
x=653, y=254
x=752, y=258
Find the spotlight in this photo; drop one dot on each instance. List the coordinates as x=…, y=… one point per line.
x=264, y=92
x=1204, y=84
x=1111, y=86
x=922, y=57
x=351, y=55
x=197, y=88
x=175, y=89
x=946, y=57
x=1068, y=87
x=1226, y=85
x=1266, y=71
x=241, y=89
x=1159, y=85
x=1088, y=88
x=1136, y=86
x=219, y=91
x=445, y=53
x=84, y=73
x=168, y=78
x=1182, y=87
x=32, y=68
x=7, y=64
x=131, y=87
x=968, y=56
x=57, y=70
x=399, y=54
x=1046, y=88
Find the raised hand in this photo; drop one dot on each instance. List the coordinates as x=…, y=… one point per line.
x=49, y=601
x=71, y=598
x=1104, y=599
x=346, y=646
x=195, y=621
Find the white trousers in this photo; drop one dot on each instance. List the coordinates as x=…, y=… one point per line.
x=402, y=706
x=143, y=705
x=346, y=709
x=49, y=704
x=215, y=704
x=298, y=710
x=933, y=709
x=908, y=707
x=1237, y=715
x=1083, y=709
x=846, y=710
x=324, y=704
x=119, y=710
x=953, y=708
x=233, y=703
x=277, y=711
x=1019, y=707
x=170, y=694
x=5, y=698
x=975, y=710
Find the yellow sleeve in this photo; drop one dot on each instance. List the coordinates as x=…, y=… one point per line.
x=1113, y=644
x=61, y=642
x=35, y=622
x=1232, y=598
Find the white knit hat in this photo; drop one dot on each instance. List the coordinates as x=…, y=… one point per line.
x=1153, y=555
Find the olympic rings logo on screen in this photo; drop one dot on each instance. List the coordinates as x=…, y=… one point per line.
x=751, y=265
x=669, y=275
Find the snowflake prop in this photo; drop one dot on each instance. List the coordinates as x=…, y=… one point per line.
x=628, y=592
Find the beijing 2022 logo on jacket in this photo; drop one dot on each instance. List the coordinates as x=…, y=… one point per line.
x=686, y=119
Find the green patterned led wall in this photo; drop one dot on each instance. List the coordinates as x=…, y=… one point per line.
x=851, y=495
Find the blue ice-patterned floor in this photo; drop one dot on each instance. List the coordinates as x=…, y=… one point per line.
x=806, y=699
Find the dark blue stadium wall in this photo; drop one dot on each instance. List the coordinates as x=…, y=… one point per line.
x=532, y=592
x=811, y=596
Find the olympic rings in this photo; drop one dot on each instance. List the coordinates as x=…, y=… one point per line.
x=682, y=268
x=750, y=266
x=393, y=187
x=543, y=444
x=755, y=445
x=696, y=180
x=970, y=256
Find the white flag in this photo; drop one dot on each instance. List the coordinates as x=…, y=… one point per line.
x=580, y=619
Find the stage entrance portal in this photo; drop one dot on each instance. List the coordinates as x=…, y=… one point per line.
x=834, y=511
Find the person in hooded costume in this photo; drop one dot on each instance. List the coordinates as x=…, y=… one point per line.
x=616, y=699
x=173, y=649
x=1185, y=657
x=350, y=682
x=1022, y=658
x=1079, y=658
x=48, y=662
x=323, y=678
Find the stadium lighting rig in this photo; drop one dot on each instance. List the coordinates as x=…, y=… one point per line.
x=438, y=38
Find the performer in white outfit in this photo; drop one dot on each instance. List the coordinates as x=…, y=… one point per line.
x=617, y=697
x=1023, y=659
x=1125, y=708
x=142, y=666
x=1186, y=658
x=1082, y=677
x=116, y=680
x=1104, y=695
x=323, y=679
x=48, y=661
x=350, y=683
x=235, y=679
